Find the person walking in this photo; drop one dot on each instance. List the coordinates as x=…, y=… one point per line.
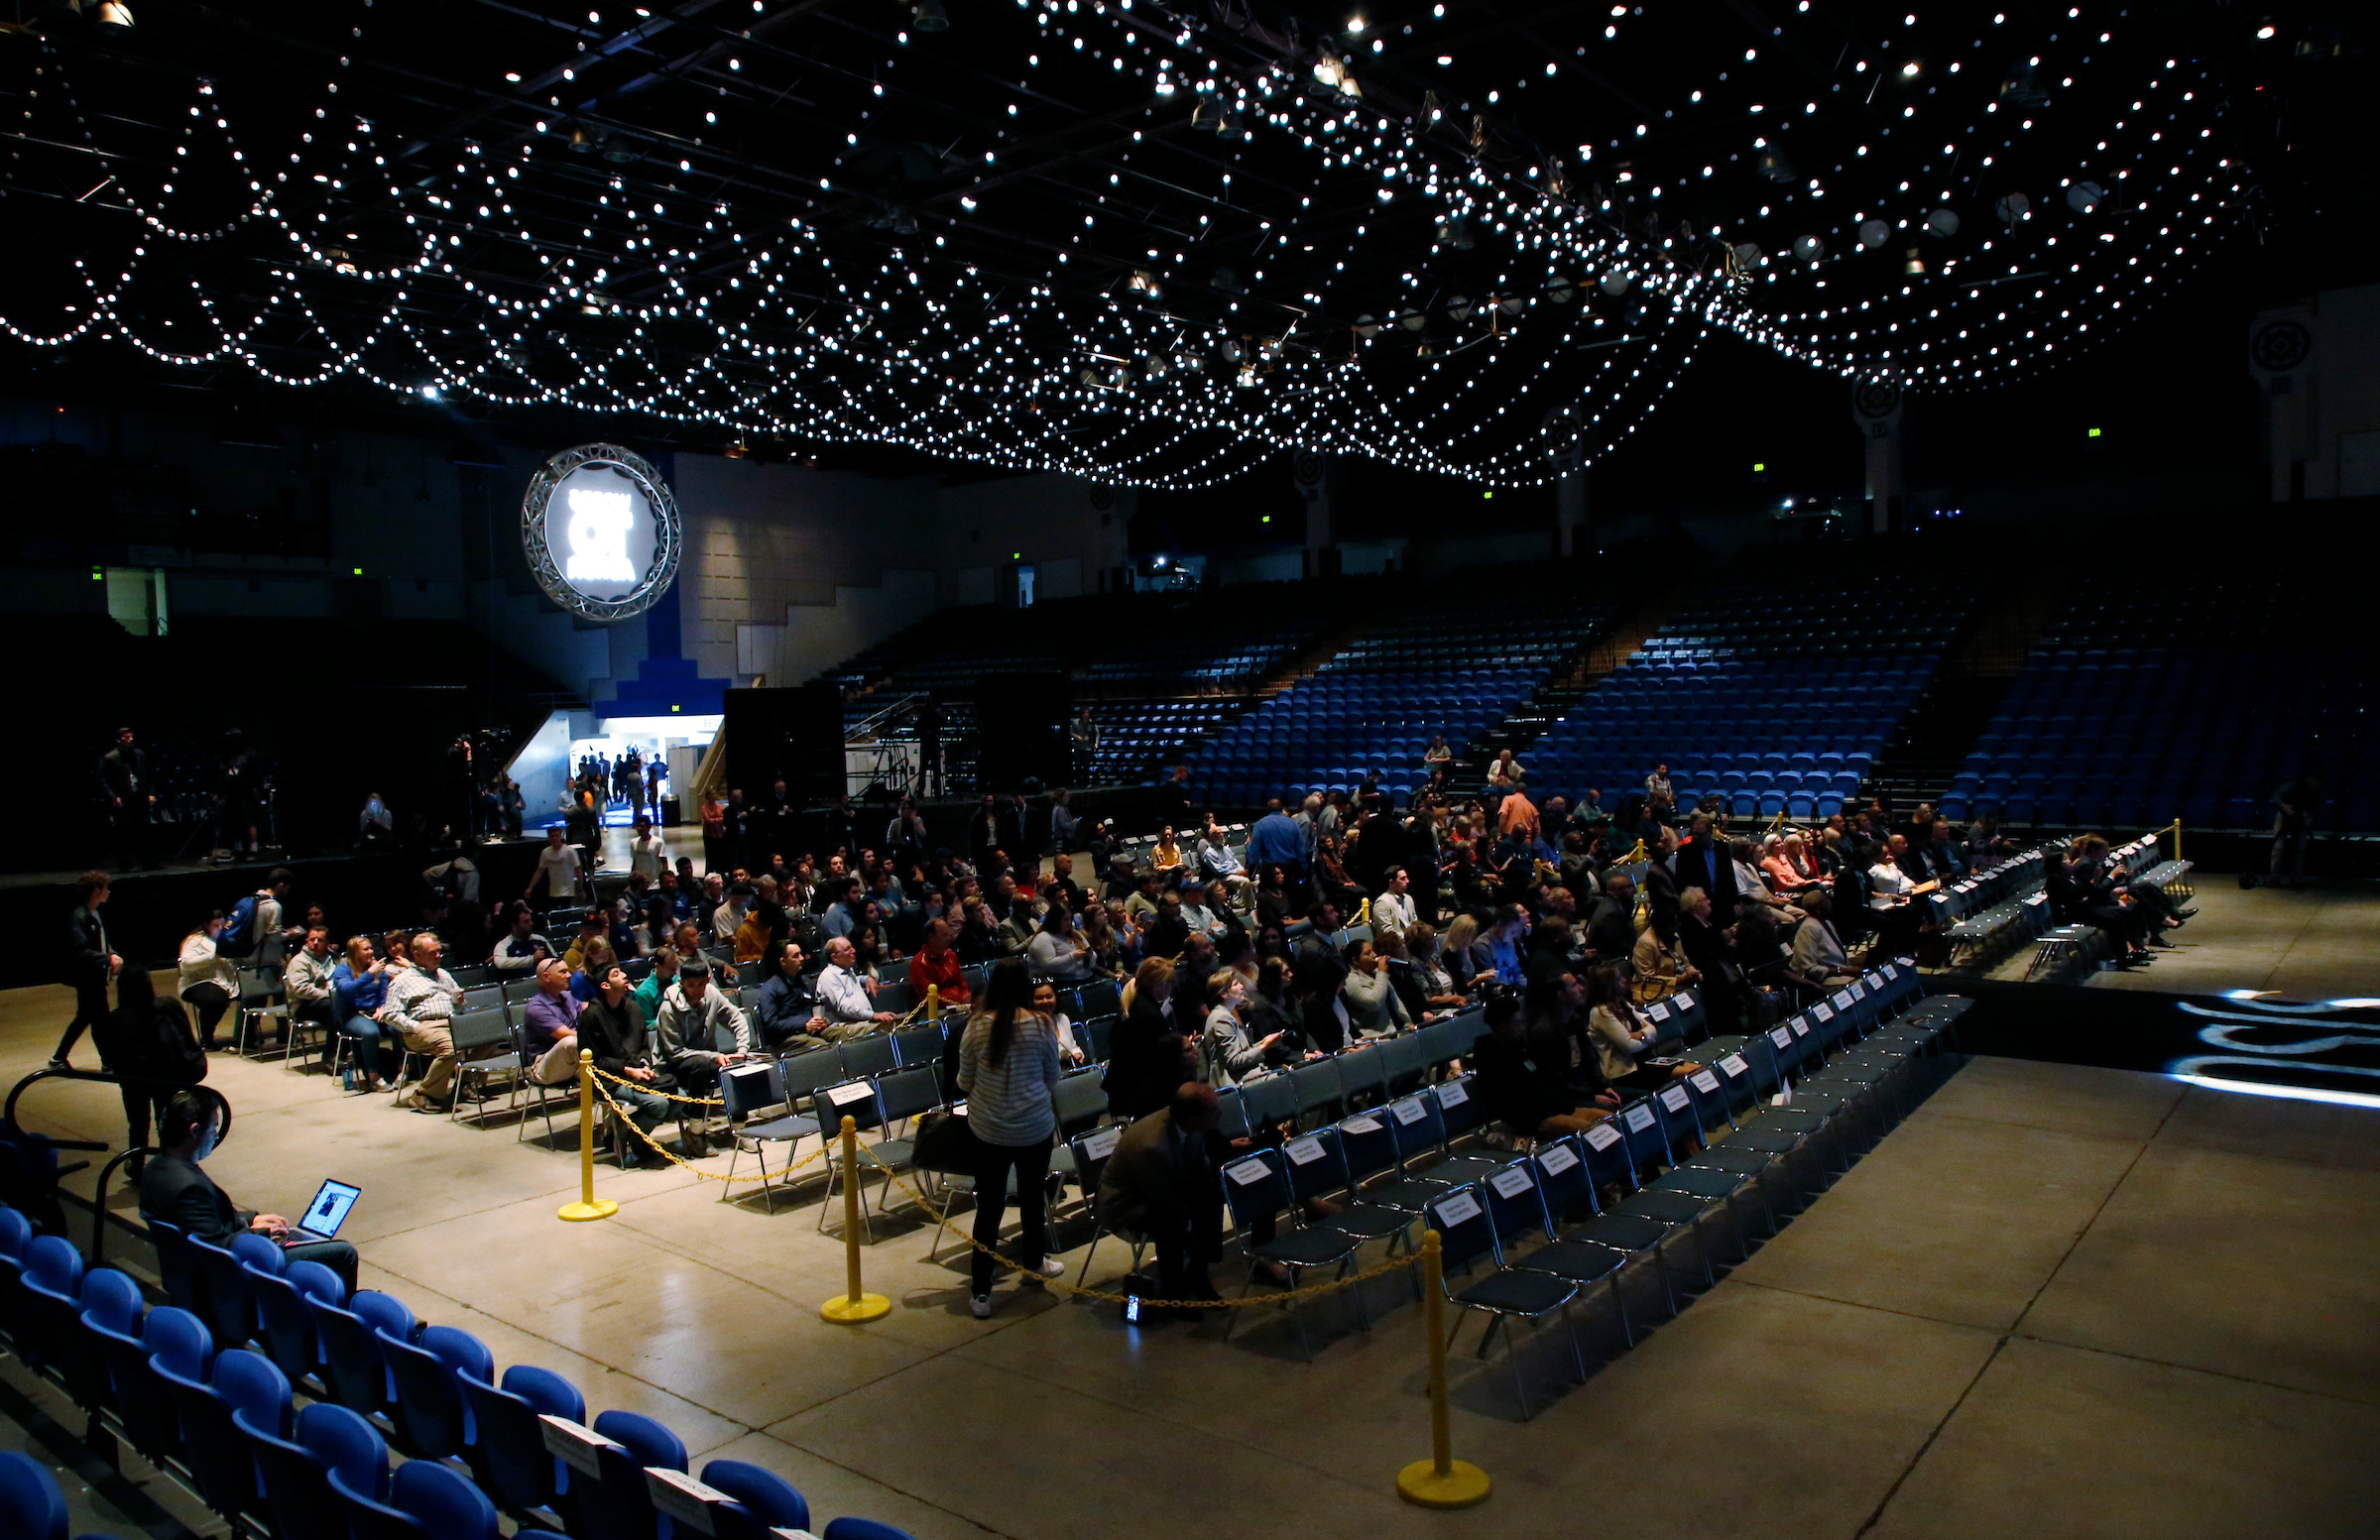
x=90, y=965
x=1007, y=1066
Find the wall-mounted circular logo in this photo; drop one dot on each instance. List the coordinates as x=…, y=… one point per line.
x=601, y=531
x=2280, y=345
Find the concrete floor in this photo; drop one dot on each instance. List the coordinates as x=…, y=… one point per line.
x=2056, y=1300
x=2303, y=944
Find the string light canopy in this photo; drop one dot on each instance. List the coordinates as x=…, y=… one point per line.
x=1145, y=243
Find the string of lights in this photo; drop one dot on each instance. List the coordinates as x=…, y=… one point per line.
x=1491, y=288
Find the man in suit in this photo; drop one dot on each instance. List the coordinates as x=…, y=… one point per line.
x=1162, y=1182
x=1661, y=881
x=174, y=1189
x=89, y=964
x=1611, y=928
x=1703, y=860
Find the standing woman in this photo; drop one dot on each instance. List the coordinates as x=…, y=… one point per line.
x=148, y=1038
x=1144, y=1059
x=1007, y=1067
x=360, y=986
x=207, y=983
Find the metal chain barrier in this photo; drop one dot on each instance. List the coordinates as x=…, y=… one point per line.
x=680, y=1161
x=1061, y=1286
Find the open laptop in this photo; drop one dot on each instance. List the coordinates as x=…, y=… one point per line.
x=329, y=1210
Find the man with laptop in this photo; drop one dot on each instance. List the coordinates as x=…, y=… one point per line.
x=175, y=1190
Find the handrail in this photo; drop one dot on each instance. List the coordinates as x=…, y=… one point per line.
x=108, y=1077
x=99, y=1210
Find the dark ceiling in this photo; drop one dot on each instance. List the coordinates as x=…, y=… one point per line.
x=1148, y=242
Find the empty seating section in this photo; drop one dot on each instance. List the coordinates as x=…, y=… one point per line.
x=1848, y=608
x=2192, y=692
x=1334, y=728
x=1139, y=739
x=1232, y=640
x=1494, y=618
x=1769, y=735
x=1455, y=661
x=1774, y=690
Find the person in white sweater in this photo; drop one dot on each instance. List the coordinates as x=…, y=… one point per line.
x=206, y=982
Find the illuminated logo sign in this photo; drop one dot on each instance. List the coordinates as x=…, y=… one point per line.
x=600, y=532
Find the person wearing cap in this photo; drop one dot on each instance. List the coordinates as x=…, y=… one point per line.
x=846, y=997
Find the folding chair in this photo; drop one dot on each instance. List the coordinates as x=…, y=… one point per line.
x=745, y=1089
x=1256, y=1187
x=1466, y=1234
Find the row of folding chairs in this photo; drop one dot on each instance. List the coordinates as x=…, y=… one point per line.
x=291, y=1407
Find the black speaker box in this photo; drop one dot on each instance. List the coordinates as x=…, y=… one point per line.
x=1021, y=730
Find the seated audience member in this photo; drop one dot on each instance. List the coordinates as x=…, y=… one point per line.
x=593, y=928
x=360, y=985
x=845, y=996
x=305, y=982
x=594, y=958
x=1817, y=953
x=422, y=1001
x=1371, y=1003
x=1506, y=942
x=695, y=1018
x=1611, y=926
x=1162, y=1184
x=176, y=1189
x=2082, y=893
x=1440, y=990
x=150, y=1039
x=1469, y=960
x=1220, y=861
x=1231, y=1056
x=1751, y=883
x=612, y=1027
x=1785, y=867
x=206, y=981
x=1891, y=891
x=786, y=1013
x=936, y=966
x=549, y=1023
x=522, y=948
x=1165, y=857
x=1659, y=965
x=1045, y=1004
x=1058, y=953
x=1535, y=1076
x=1622, y=1037
x=1204, y=918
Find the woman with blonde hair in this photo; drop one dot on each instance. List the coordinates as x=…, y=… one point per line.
x=594, y=958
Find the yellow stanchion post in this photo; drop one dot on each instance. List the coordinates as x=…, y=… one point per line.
x=588, y=1204
x=1442, y=1480
x=851, y=1305
x=933, y=1003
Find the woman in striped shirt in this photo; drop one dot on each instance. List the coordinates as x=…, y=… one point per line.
x=1007, y=1066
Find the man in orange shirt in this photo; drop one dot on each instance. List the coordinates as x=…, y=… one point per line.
x=1517, y=814
x=937, y=964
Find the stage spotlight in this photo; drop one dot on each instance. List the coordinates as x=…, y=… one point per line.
x=113, y=16
x=1459, y=308
x=1233, y=126
x=1943, y=222
x=1615, y=282
x=2084, y=198
x=2012, y=207
x=1809, y=248
x=1914, y=264
x=1874, y=233
x=1329, y=70
x=928, y=16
